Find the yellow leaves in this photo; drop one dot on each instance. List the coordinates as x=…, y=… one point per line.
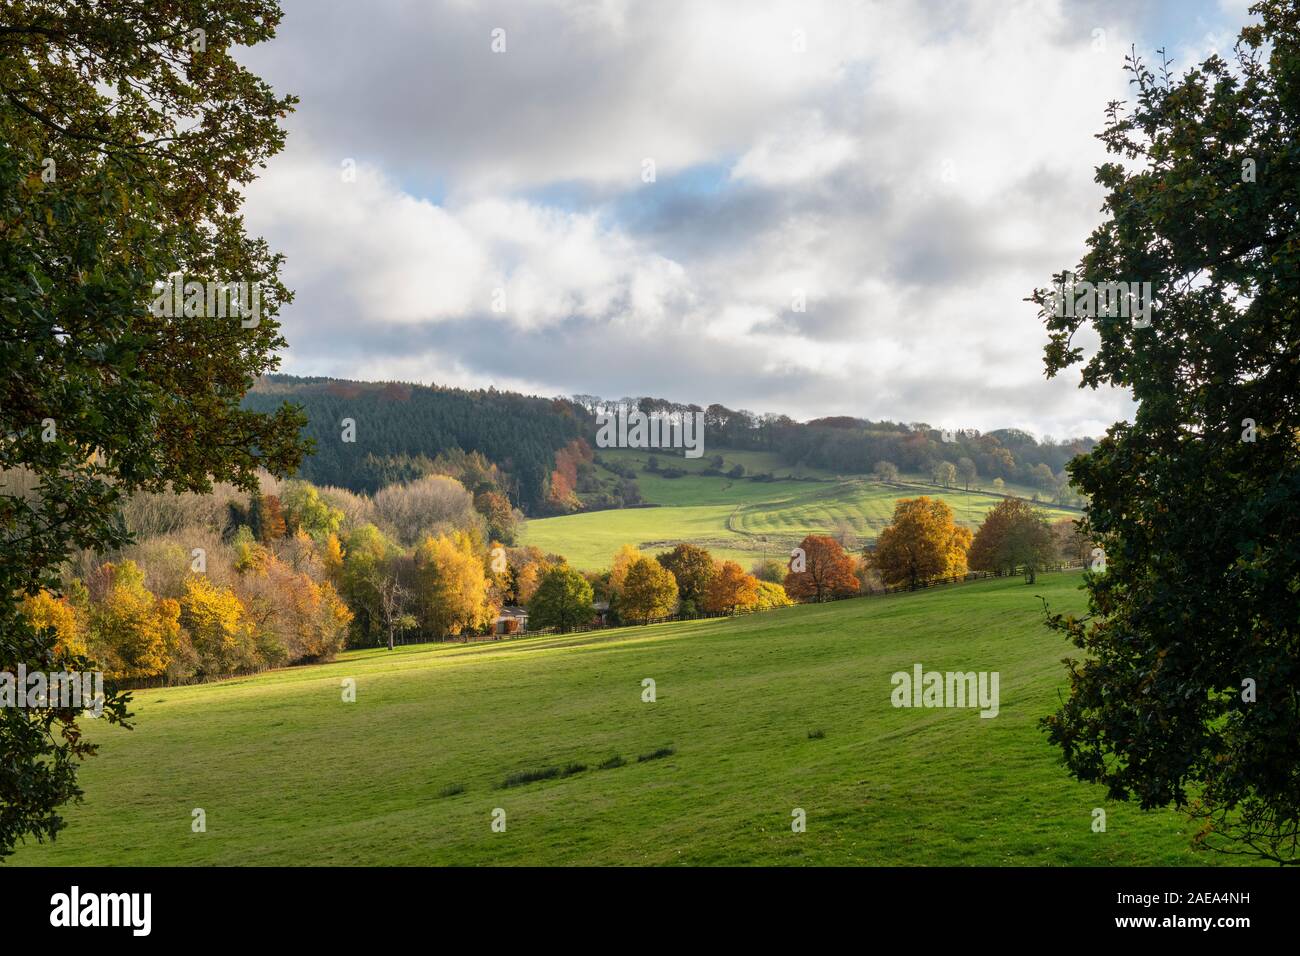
x=46, y=610
x=768, y=594
x=649, y=591
x=332, y=556
x=131, y=632
x=251, y=557
x=168, y=612
x=453, y=586
x=212, y=614
x=623, y=559
x=338, y=611
x=528, y=578
x=218, y=628
x=922, y=544
x=958, y=546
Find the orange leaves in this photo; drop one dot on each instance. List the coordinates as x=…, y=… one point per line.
x=730, y=588
x=828, y=571
x=294, y=617
x=564, y=479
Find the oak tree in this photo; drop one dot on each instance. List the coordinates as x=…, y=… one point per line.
x=128, y=132
x=563, y=600
x=1187, y=692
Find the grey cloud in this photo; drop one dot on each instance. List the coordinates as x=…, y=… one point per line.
x=414, y=90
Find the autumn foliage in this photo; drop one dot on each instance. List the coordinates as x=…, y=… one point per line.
x=822, y=569
x=564, y=479
x=1013, y=536
x=922, y=544
x=250, y=606
x=730, y=588
x=649, y=591
x=451, y=586
x=693, y=568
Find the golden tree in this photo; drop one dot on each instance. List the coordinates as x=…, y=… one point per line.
x=623, y=560
x=921, y=545
x=730, y=588
x=219, y=628
x=44, y=609
x=131, y=631
x=649, y=591
x=452, y=585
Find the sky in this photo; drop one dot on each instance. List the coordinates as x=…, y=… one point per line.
x=805, y=208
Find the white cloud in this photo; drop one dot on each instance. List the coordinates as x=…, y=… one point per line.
x=394, y=258
x=802, y=150
x=915, y=169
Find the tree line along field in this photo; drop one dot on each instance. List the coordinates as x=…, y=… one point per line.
x=411, y=773
x=660, y=490
x=732, y=517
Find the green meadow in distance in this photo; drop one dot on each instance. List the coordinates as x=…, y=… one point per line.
x=731, y=517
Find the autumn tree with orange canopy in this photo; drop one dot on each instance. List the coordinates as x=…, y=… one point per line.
x=730, y=588
x=820, y=569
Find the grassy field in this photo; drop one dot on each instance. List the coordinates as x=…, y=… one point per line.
x=589, y=540
x=866, y=507
x=738, y=519
x=412, y=771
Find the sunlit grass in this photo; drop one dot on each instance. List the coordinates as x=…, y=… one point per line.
x=754, y=717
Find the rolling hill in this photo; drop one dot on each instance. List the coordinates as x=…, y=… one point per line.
x=754, y=717
x=741, y=519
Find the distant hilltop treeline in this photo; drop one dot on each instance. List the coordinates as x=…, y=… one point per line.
x=370, y=434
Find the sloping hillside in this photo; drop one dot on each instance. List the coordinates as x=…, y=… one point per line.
x=745, y=521
x=754, y=718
